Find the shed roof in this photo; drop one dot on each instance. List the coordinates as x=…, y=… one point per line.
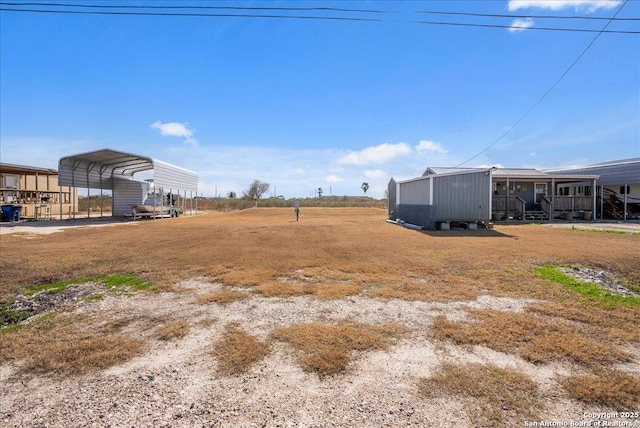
x=437, y=170
x=8, y=168
x=97, y=169
x=515, y=173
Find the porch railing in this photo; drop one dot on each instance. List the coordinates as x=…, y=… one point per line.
x=566, y=204
x=515, y=203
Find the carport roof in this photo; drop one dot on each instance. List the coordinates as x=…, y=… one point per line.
x=109, y=162
x=97, y=170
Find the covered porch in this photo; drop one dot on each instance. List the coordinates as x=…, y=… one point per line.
x=532, y=195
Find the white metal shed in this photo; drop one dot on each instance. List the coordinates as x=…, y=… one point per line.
x=113, y=170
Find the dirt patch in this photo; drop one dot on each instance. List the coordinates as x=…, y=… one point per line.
x=183, y=382
x=602, y=278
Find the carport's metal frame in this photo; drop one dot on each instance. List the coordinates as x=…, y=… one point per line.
x=99, y=169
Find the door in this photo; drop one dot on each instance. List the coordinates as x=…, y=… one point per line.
x=541, y=190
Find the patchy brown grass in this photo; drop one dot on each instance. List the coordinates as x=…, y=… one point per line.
x=326, y=349
x=222, y=296
x=323, y=291
x=62, y=345
x=493, y=396
x=173, y=330
x=615, y=325
x=442, y=289
x=331, y=244
x=237, y=351
x=536, y=339
x=609, y=388
x=284, y=289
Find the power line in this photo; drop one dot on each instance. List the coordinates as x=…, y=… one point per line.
x=210, y=15
x=143, y=12
x=584, y=51
x=524, y=27
x=493, y=15
x=113, y=6
x=322, y=9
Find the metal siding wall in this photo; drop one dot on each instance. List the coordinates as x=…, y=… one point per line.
x=168, y=176
x=462, y=197
x=391, y=196
x=422, y=215
x=415, y=192
x=127, y=193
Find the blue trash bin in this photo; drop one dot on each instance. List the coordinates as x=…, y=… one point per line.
x=7, y=212
x=11, y=212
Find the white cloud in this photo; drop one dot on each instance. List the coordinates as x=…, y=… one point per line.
x=430, y=146
x=375, y=154
x=521, y=24
x=585, y=5
x=375, y=173
x=175, y=129
x=533, y=154
x=300, y=171
x=333, y=179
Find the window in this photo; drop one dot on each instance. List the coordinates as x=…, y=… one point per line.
x=11, y=181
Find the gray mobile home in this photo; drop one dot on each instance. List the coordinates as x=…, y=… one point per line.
x=483, y=194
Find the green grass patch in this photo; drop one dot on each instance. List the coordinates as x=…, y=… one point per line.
x=119, y=283
x=9, y=317
x=588, y=290
x=134, y=283
x=131, y=282
x=615, y=232
x=94, y=298
x=56, y=287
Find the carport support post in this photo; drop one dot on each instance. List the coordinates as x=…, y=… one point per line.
x=593, y=216
x=625, y=201
x=601, y=201
x=506, y=205
x=553, y=199
x=88, y=194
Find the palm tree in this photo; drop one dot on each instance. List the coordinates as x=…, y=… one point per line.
x=365, y=187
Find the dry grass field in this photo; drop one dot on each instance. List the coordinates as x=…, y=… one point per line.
x=250, y=318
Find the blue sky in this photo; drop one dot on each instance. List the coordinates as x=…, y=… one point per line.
x=309, y=103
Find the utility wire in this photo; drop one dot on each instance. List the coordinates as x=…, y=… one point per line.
x=524, y=27
x=278, y=16
x=492, y=15
x=584, y=51
x=324, y=9
x=211, y=15
x=114, y=6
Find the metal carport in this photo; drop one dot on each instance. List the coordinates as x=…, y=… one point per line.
x=113, y=170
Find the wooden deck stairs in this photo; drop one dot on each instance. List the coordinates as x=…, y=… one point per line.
x=535, y=216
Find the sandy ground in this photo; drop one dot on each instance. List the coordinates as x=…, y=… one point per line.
x=176, y=384
x=55, y=226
